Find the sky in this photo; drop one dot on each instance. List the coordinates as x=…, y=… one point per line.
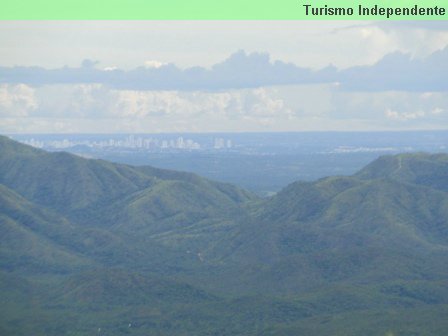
x=222, y=76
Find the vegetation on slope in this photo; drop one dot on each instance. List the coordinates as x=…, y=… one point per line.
x=93, y=247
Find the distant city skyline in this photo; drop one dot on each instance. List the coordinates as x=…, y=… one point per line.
x=134, y=142
x=221, y=76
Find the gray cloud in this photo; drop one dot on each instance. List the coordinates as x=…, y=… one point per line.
x=400, y=72
x=240, y=70
x=396, y=71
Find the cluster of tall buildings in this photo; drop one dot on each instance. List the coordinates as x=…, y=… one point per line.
x=221, y=143
x=131, y=142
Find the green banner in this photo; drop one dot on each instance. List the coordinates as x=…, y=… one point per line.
x=223, y=10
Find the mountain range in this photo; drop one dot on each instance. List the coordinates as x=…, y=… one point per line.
x=91, y=247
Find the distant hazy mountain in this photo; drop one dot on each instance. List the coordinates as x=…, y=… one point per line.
x=93, y=247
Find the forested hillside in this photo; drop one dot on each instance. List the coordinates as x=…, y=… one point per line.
x=91, y=247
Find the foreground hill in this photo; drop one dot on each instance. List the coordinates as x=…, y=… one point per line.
x=117, y=207
x=141, y=250
x=68, y=183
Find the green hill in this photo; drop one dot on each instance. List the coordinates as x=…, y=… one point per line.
x=69, y=184
x=423, y=169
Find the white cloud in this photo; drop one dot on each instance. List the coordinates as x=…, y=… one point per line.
x=16, y=100
x=154, y=64
x=96, y=101
x=392, y=109
x=231, y=104
x=419, y=38
x=404, y=116
x=96, y=107
x=375, y=40
x=110, y=68
x=437, y=111
x=74, y=101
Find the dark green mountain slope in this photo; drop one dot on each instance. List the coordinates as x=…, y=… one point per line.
x=30, y=236
x=63, y=181
x=422, y=169
x=344, y=229
x=110, y=286
x=67, y=183
x=38, y=240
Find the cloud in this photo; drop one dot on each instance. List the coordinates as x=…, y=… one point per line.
x=96, y=101
x=240, y=70
x=404, y=116
x=391, y=109
x=89, y=64
x=95, y=107
x=246, y=92
x=419, y=114
x=16, y=100
x=191, y=105
x=154, y=64
x=396, y=71
x=76, y=101
x=417, y=38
